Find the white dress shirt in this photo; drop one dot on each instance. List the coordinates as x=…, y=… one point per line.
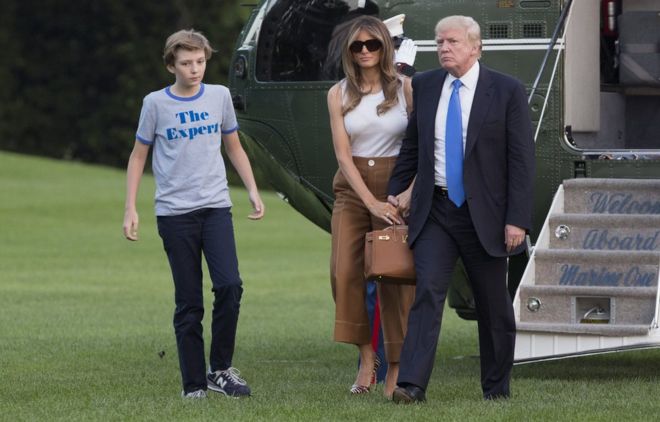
x=466, y=94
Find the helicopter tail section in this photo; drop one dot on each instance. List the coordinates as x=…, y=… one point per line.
x=291, y=187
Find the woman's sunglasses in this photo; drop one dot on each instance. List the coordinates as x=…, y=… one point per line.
x=372, y=45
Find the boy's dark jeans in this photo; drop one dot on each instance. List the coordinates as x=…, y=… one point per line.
x=184, y=238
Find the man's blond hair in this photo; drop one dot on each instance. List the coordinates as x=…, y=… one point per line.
x=466, y=23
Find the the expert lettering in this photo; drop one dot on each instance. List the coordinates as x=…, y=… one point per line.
x=186, y=117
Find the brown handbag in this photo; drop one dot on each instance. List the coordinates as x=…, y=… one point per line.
x=387, y=257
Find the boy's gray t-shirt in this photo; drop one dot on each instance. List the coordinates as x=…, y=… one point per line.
x=186, y=135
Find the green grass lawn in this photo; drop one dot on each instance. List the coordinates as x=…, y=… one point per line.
x=85, y=316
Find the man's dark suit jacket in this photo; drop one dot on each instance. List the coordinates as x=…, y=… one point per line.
x=498, y=167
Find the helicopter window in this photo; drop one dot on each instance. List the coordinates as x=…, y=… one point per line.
x=498, y=30
x=533, y=30
x=296, y=41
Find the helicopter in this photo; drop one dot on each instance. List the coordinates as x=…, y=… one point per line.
x=592, y=73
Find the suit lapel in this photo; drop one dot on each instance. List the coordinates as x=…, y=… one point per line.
x=428, y=112
x=483, y=96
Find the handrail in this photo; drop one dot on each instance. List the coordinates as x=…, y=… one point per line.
x=654, y=323
x=547, y=94
x=563, y=20
x=551, y=46
x=613, y=153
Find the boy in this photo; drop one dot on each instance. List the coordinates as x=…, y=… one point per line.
x=186, y=123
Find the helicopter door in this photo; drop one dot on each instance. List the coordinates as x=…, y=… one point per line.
x=639, y=48
x=299, y=39
x=613, y=112
x=639, y=75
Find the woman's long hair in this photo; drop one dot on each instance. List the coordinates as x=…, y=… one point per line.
x=388, y=77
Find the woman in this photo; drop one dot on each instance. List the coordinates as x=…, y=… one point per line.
x=368, y=118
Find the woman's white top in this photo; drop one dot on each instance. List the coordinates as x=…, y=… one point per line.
x=372, y=135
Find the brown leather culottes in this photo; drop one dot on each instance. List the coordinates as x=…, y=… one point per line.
x=351, y=220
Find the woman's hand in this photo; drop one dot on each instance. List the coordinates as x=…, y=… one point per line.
x=386, y=212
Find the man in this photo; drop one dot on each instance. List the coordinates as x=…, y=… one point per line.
x=470, y=145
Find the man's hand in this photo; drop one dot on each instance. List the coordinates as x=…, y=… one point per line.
x=513, y=237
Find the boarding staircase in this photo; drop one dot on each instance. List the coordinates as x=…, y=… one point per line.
x=591, y=284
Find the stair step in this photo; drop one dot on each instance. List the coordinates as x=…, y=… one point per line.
x=571, y=305
x=612, y=196
x=568, y=267
x=594, y=329
x=605, y=232
x=594, y=270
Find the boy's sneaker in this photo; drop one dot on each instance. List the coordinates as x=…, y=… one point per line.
x=197, y=394
x=228, y=383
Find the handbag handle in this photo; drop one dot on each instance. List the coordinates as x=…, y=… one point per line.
x=393, y=229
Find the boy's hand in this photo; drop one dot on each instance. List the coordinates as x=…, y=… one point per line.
x=257, y=205
x=131, y=225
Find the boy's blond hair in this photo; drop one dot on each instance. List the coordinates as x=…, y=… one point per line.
x=187, y=39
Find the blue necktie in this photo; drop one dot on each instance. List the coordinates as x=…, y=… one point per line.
x=454, y=148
